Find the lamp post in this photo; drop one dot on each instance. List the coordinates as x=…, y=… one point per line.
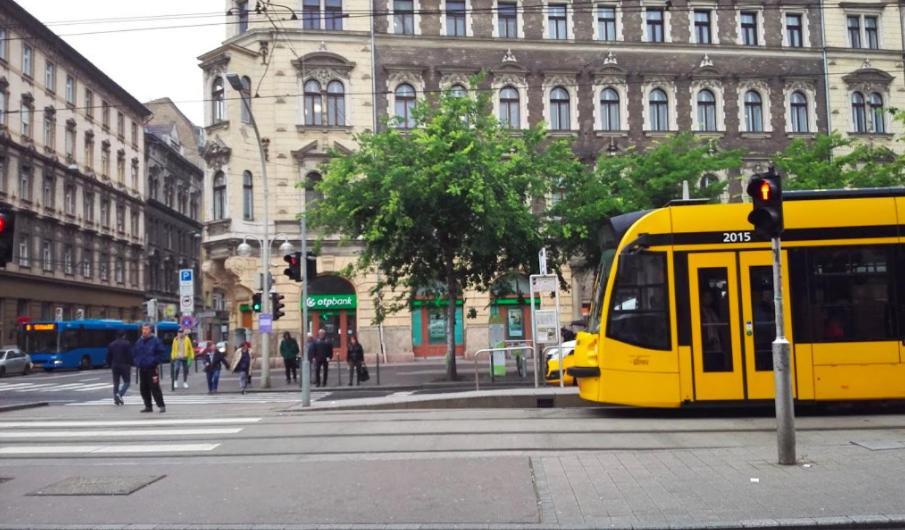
x=236, y=82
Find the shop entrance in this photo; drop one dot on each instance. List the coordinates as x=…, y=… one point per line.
x=332, y=307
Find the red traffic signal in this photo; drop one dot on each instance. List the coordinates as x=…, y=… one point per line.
x=7, y=231
x=294, y=266
x=765, y=190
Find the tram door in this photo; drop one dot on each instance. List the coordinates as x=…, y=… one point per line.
x=733, y=325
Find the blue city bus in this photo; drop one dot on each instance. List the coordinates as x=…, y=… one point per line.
x=81, y=343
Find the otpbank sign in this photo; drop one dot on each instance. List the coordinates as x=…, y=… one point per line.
x=326, y=302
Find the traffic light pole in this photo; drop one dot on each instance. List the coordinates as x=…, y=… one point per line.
x=303, y=339
x=785, y=409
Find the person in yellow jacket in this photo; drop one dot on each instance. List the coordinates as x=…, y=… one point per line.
x=182, y=353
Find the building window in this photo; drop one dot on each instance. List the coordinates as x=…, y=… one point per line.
x=333, y=15
x=105, y=115
x=4, y=106
x=794, y=30
x=609, y=110
x=70, y=90
x=312, y=194
x=193, y=207
x=509, y=108
x=749, y=28
x=89, y=105
x=507, y=20
x=103, y=268
x=556, y=20
x=336, y=104
x=754, y=112
x=48, y=193
x=799, y=112
x=134, y=176
x=120, y=218
x=105, y=212
x=242, y=8
x=134, y=127
x=248, y=197
x=313, y=103
x=219, y=199
x=70, y=141
x=118, y=271
x=87, y=261
x=3, y=43
x=121, y=167
x=69, y=199
x=133, y=223
x=120, y=125
x=859, y=113
x=877, y=114
x=871, y=32
x=654, y=19
x=50, y=128
x=218, y=101
x=311, y=14
x=659, y=110
x=245, y=113
x=404, y=17
x=708, y=180
x=25, y=174
x=89, y=150
x=24, y=260
x=27, y=114
x=854, y=31
x=67, y=260
x=706, y=111
x=89, y=206
x=27, y=58
x=50, y=76
x=405, y=104
x=702, y=26
x=105, y=159
x=455, y=18
x=47, y=255
x=559, y=109
x=457, y=91
x=606, y=23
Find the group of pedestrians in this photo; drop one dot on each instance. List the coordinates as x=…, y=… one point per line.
x=146, y=354
x=320, y=353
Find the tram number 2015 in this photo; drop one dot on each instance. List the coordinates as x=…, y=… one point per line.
x=736, y=237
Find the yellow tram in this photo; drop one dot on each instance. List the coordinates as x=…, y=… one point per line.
x=683, y=303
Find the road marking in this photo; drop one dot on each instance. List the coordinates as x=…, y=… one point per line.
x=9, y=386
x=207, y=399
x=34, y=388
x=106, y=449
x=95, y=386
x=69, y=386
x=117, y=432
x=127, y=423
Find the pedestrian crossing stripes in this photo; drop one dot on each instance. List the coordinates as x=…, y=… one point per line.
x=205, y=399
x=106, y=437
x=82, y=386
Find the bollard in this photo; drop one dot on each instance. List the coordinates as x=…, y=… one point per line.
x=378, y=368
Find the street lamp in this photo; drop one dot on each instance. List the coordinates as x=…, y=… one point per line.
x=236, y=82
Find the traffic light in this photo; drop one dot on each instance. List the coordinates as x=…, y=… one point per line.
x=311, y=266
x=256, y=302
x=7, y=230
x=765, y=190
x=277, y=305
x=294, y=266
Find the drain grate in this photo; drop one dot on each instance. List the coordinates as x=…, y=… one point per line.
x=97, y=485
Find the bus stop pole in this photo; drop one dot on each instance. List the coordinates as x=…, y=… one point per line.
x=785, y=409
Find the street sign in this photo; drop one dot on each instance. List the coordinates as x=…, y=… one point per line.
x=543, y=283
x=546, y=324
x=188, y=321
x=186, y=303
x=207, y=314
x=265, y=323
x=58, y=314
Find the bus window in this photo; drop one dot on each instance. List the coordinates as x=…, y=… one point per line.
x=716, y=339
x=70, y=339
x=851, y=294
x=42, y=342
x=639, y=312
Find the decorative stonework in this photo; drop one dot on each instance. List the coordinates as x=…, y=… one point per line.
x=215, y=153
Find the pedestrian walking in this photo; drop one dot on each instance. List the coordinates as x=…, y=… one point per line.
x=215, y=360
x=323, y=352
x=119, y=359
x=147, y=353
x=182, y=354
x=289, y=350
x=243, y=367
x=355, y=359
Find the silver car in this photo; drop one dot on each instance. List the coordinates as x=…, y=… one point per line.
x=13, y=361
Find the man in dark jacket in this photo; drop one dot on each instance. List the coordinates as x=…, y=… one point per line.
x=323, y=352
x=147, y=353
x=119, y=359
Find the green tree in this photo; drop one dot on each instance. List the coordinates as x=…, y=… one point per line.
x=446, y=203
x=630, y=181
x=831, y=161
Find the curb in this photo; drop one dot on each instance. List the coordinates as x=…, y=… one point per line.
x=23, y=406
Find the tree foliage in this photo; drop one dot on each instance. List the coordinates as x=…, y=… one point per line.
x=447, y=203
x=630, y=181
x=831, y=161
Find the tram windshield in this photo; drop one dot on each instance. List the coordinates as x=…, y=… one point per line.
x=608, y=252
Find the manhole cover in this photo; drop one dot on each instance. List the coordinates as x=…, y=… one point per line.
x=98, y=485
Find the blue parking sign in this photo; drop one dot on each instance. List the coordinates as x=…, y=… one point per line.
x=185, y=275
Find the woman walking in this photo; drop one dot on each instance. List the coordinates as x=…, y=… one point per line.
x=243, y=366
x=356, y=357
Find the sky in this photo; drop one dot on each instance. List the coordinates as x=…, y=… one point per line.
x=149, y=48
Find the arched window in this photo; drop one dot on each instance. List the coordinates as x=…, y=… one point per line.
x=706, y=111
x=708, y=180
x=609, y=110
x=457, y=90
x=659, y=110
x=219, y=198
x=798, y=108
x=559, y=110
x=218, y=101
x=877, y=116
x=509, y=108
x=312, y=194
x=405, y=104
x=754, y=112
x=248, y=197
x=313, y=104
x=859, y=114
x=336, y=104
x=246, y=93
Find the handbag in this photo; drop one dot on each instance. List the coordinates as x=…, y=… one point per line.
x=363, y=373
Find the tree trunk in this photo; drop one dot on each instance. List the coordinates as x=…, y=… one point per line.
x=452, y=289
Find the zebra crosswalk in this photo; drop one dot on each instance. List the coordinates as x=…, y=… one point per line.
x=111, y=437
x=204, y=399
x=80, y=386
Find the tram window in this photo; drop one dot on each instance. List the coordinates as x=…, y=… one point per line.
x=900, y=287
x=639, y=313
x=851, y=294
x=764, y=315
x=716, y=338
